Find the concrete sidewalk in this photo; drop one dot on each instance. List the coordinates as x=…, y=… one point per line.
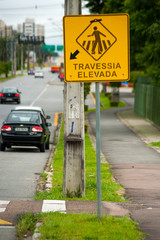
x=124, y=139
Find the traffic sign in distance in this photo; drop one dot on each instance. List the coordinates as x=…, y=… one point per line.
x=96, y=48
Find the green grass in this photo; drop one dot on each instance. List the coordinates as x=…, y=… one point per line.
x=106, y=103
x=9, y=77
x=26, y=224
x=108, y=186
x=154, y=144
x=80, y=227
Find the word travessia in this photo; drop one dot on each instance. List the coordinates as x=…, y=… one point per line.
x=96, y=66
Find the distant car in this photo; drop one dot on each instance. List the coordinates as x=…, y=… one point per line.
x=61, y=73
x=25, y=128
x=55, y=67
x=33, y=108
x=10, y=94
x=31, y=72
x=39, y=74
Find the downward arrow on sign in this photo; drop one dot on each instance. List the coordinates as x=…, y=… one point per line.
x=73, y=55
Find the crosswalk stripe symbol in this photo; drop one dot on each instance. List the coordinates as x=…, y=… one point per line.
x=96, y=39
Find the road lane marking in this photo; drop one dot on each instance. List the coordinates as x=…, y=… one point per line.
x=2, y=222
x=39, y=95
x=56, y=118
x=54, y=206
x=3, y=205
x=93, y=98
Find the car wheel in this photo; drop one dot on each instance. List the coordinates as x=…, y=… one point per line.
x=42, y=147
x=2, y=147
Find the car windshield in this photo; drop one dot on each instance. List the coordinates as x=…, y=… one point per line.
x=26, y=117
x=8, y=90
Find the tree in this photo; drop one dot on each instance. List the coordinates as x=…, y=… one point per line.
x=145, y=36
x=144, y=31
x=95, y=6
x=4, y=68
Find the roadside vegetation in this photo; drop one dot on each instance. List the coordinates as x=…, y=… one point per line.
x=9, y=77
x=78, y=226
x=106, y=103
x=154, y=144
x=110, y=189
x=81, y=226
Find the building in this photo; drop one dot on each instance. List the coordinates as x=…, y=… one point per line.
x=40, y=30
x=5, y=31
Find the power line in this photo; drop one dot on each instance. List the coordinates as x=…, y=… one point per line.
x=30, y=7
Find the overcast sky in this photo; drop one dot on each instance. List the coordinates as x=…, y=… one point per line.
x=48, y=13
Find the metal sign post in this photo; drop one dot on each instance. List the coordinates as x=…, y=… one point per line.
x=96, y=49
x=98, y=152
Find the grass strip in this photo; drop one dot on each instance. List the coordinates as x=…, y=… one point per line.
x=79, y=226
x=109, y=187
x=154, y=144
x=106, y=103
x=9, y=77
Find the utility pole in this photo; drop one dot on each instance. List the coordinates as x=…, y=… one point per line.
x=21, y=58
x=12, y=61
x=15, y=58
x=74, y=158
x=28, y=63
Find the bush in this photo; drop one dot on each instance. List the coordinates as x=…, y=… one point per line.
x=5, y=67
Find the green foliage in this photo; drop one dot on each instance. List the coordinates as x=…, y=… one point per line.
x=86, y=89
x=2, y=49
x=134, y=75
x=55, y=225
x=5, y=67
x=144, y=32
x=109, y=187
x=113, y=6
x=95, y=6
x=88, y=227
x=154, y=144
x=26, y=223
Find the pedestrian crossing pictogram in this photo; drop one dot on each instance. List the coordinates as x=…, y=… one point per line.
x=96, y=48
x=96, y=39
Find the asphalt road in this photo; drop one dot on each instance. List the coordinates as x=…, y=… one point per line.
x=20, y=167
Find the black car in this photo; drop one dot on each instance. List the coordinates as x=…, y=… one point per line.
x=10, y=94
x=25, y=128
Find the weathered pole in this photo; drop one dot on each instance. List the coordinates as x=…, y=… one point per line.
x=21, y=58
x=74, y=160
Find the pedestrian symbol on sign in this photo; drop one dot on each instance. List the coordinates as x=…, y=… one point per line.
x=96, y=39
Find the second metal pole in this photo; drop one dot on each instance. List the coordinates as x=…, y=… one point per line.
x=98, y=152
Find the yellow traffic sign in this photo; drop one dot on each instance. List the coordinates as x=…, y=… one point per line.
x=96, y=48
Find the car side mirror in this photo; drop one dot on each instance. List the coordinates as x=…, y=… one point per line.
x=48, y=117
x=48, y=124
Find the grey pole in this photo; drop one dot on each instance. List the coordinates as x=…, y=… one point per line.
x=98, y=152
x=74, y=157
x=21, y=58
x=12, y=58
